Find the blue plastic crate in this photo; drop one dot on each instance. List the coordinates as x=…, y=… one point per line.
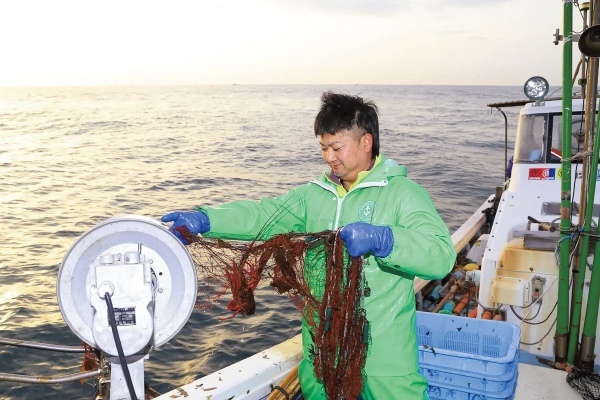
x=446, y=392
x=468, y=358
x=472, y=381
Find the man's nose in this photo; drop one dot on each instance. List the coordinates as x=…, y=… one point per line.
x=329, y=155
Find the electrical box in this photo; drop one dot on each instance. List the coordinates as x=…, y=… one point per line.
x=511, y=291
x=537, y=289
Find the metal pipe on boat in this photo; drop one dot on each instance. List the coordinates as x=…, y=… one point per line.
x=589, y=109
x=562, y=325
x=42, y=346
x=576, y=316
x=578, y=287
x=586, y=352
x=591, y=316
x=589, y=88
x=48, y=379
x=505, y=140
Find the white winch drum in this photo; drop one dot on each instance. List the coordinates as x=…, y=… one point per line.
x=173, y=274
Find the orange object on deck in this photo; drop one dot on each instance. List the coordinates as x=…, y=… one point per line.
x=473, y=313
x=461, y=305
x=487, y=315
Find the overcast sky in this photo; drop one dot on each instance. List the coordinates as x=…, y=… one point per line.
x=131, y=42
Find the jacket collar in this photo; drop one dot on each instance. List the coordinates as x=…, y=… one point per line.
x=361, y=175
x=384, y=170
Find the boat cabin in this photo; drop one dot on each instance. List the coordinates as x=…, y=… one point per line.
x=519, y=270
x=539, y=134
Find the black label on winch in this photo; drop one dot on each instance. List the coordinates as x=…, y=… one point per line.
x=124, y=316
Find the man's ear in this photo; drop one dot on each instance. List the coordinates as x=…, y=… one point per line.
x=366, y=142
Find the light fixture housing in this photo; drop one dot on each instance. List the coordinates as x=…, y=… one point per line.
x=589, y=41
x=536, y=88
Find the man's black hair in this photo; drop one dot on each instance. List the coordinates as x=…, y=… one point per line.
x=341, y=112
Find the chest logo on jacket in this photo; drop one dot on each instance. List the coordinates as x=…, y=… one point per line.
x=367, y=210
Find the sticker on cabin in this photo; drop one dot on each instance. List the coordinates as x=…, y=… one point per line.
x=579, y=175
x=542, y=174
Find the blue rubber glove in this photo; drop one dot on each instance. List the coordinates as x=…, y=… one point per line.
x=362, y=238
x=195, y=221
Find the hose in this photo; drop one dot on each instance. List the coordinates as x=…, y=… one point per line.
x=113, y=325
x=48, y=379
x=42, y=346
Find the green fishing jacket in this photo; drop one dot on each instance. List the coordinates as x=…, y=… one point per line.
x=422, y=247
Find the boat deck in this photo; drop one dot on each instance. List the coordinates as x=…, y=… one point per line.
x=543, y=383
x=253, y=378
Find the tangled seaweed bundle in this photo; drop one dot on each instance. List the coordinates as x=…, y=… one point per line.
x=333, y=313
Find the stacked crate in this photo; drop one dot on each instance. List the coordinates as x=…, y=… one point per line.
x=466, y=358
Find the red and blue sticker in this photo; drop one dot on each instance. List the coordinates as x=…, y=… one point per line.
x=542, y=174
x=550, y=174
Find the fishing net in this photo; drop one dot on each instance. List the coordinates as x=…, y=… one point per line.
x=586, y=383
x=314, y=271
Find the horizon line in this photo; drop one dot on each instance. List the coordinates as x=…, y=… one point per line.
x=244, y=84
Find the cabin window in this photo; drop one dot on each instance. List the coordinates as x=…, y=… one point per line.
x=530, y=133
x=577, y=136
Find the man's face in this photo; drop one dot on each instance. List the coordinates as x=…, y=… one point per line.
x=346, y=155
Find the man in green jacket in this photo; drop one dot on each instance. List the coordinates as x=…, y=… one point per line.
x=384, y=217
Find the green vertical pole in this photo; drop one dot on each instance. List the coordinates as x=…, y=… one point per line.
x=588, y=340
x=562, y=323
x=585, y=245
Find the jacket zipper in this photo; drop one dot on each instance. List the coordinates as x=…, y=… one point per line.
x=340, y=200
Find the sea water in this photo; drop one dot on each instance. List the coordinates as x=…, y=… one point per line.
x=72, y=157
